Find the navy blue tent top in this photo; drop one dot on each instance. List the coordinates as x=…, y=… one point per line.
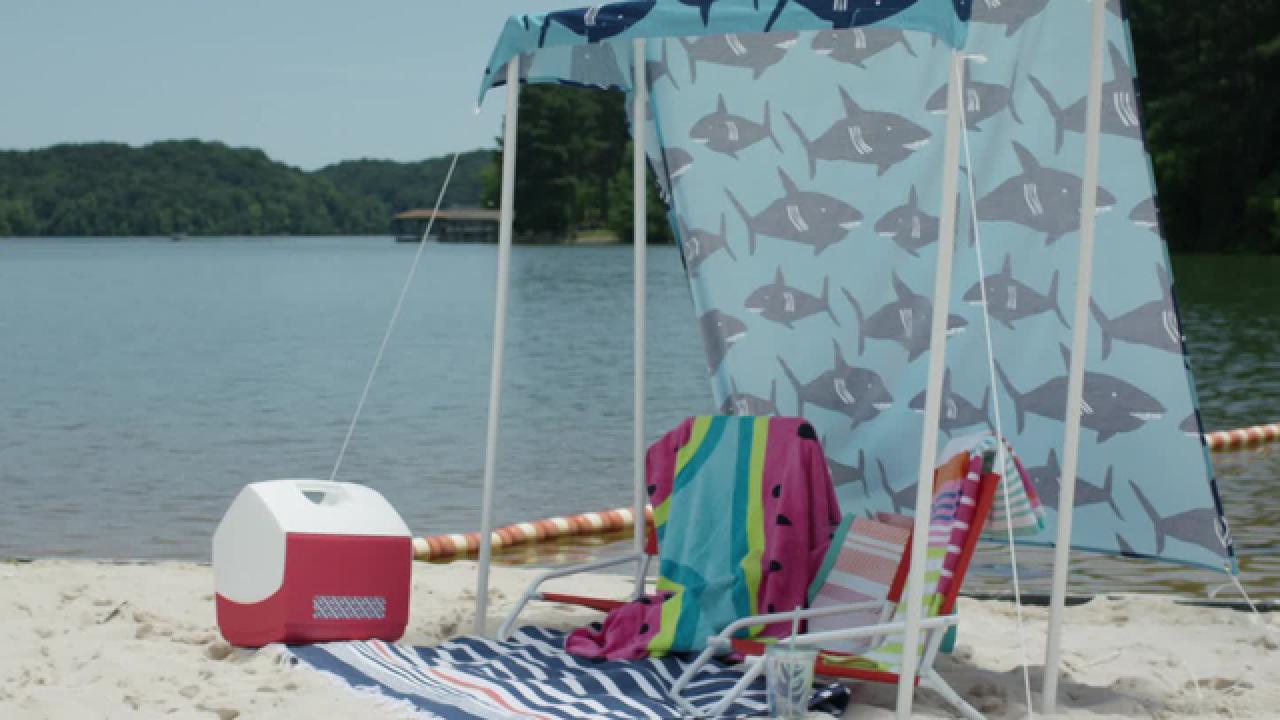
x=528, y=34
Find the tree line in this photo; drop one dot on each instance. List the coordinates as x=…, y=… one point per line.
x=1208, y=78
x=1209, y=74
x=206, y=188
x=575, y=169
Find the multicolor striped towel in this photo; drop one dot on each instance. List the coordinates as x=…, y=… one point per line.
x=743, y=508
x=530, y=677
x=1024, y=510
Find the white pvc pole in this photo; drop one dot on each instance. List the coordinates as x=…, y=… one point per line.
x=639, y=134
x=499, y=339
x=1079, y=347
x=933, y=392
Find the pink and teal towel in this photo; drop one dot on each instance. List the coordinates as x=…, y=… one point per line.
x=744, y=509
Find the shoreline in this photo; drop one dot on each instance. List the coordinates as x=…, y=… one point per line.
x=1264, y=606
x=121, y=639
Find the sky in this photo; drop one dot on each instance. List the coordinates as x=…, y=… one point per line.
x=311, y=82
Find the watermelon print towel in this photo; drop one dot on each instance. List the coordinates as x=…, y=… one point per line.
x=744, y=510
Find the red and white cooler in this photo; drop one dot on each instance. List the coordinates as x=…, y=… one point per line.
x=303, y=561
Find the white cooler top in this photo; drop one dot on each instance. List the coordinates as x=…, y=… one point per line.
x=249, y=544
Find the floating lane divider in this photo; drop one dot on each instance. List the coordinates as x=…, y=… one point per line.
x=446, y=548
x=1232, y=440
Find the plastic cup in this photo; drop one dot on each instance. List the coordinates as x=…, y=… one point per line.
x=789, y=677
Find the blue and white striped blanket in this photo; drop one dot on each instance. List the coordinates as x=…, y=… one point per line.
x=531, y=676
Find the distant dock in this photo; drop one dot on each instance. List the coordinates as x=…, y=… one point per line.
x=455, y=225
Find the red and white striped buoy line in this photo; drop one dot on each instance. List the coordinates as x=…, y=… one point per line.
x=1230, y=440
x=442, y=548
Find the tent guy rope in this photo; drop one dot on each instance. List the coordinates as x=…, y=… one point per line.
x=391, y=324
x=1001, y=448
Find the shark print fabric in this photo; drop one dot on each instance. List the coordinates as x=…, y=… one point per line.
x=800, y=147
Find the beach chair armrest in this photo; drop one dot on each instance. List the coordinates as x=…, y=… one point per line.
x=872, y=631
x=531, y=592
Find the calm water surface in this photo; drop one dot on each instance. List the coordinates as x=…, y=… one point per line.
x=145, y=382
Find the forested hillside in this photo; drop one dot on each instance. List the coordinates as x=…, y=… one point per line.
x=399, y=186
x=202, y=188
x=1210, y=77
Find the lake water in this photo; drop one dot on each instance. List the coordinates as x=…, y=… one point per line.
x=144, y=382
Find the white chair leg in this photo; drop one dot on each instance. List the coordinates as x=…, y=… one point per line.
x=934, y=681
x=682, y=682
x=755, y=666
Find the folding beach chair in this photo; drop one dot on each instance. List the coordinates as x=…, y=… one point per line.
x=773, y=474
x=958, y=515
x=534, y=594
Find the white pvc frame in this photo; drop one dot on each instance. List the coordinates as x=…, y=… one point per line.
x=640, y=94
x=1079, y=346
x=505, y=229
x=933, y=390
x=912, y=625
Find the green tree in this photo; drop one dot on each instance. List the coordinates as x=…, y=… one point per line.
x=1208, y=77
x=622, y=207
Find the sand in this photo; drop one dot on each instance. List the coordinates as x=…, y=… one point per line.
x=96, y=640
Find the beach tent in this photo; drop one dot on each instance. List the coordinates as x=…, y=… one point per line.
x=906, y=220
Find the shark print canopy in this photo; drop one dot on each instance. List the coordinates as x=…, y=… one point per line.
x=799, y=145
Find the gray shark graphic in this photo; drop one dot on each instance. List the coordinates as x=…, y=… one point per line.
x=756, y=51
x=1116, y=7
x=909, y=227
x=869, y=137
x=729, y=134
x=1012, y=14
x=1154, y=324
x=748, y=405
x=1111, y=405
x=678, y=162
x=1146, y=216
x=1202, y=527
x=597, y=66
x=907, y=321
x=807, y=218
x=599, y=22
x=788, y=305
x=1047, y=480
x=1120, y=114
x=1191, y=426
x=697, y=245
x=842, y=474
x=719, y=333
x=982, y=101
x=1126, y=549
x=903, y=499
x=857, y=393
x=957, y=413
x=1040, y=198
x=858, y=45
x=1011, y=300
x=655, y=70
